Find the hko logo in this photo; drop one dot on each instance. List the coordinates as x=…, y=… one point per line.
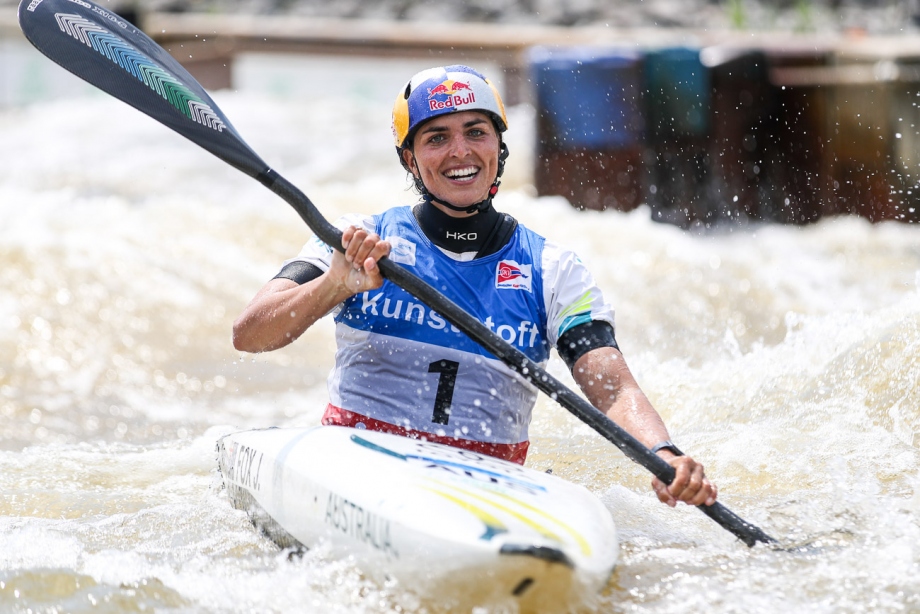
x=462, y=236
x=513, y=276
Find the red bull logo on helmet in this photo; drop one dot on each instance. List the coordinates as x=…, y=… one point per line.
x=450, y=94
x=513, y=275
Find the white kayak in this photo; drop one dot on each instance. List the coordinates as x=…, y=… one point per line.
x=445, y=523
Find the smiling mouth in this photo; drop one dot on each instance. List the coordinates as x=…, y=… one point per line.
x=465, y=174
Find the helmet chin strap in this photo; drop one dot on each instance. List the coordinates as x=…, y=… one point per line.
x=482, y=205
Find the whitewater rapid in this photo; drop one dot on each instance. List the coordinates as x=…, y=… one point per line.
x=787, y=359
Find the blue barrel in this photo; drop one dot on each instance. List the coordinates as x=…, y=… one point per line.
x=589, y=97
x=678, y=90
x=589, y=125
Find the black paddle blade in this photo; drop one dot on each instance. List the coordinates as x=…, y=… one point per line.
x=110, y=53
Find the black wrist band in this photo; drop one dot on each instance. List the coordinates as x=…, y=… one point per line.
x=667, y=445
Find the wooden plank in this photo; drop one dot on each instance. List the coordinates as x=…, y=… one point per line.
x=378, y=33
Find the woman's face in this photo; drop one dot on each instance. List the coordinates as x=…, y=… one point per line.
x=456, y=156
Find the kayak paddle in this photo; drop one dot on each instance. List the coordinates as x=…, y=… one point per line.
x=113, y=55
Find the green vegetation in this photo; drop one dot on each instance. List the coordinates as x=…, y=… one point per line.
x=806, y=16
x=737, y=14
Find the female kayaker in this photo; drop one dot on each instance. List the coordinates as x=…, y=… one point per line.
x=399, y=366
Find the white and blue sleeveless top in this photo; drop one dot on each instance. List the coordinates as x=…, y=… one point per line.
x=400, y=362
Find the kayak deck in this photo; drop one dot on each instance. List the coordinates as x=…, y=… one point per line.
x=446, y=523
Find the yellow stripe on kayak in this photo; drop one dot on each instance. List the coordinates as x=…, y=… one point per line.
x=582, y=542
x=494, y=526
x=528, y=521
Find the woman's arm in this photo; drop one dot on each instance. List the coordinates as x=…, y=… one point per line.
x=609, y=385
x=282, y=310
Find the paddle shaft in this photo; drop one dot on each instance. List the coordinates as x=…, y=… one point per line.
x=101, y=48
